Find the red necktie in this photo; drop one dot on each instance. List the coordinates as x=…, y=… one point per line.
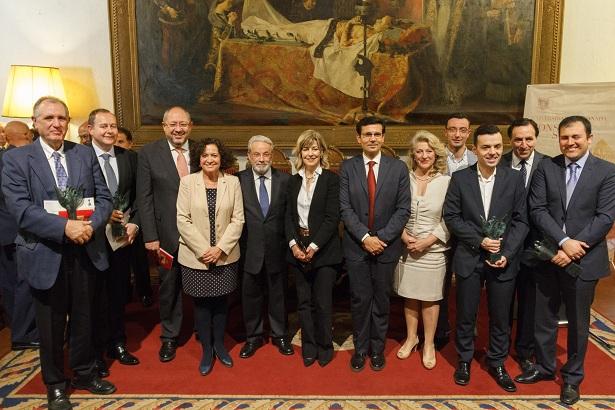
x=371, y=193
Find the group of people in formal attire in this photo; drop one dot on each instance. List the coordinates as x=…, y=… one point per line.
x=407, y=228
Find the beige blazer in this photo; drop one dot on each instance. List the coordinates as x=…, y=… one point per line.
x=193, y=219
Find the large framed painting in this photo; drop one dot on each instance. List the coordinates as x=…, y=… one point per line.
x=277, y=67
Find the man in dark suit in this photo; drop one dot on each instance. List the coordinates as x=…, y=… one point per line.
x=475, y=194
x=16, y=295
x=57, y=256
x=375, y=206
x=523, y=134
x=119, y=167
x=263, y=248
x=161, y=164
x=572, y=201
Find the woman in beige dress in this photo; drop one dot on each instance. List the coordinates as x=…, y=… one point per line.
x=419, y=277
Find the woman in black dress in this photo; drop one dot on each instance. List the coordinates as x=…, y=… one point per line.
x=312, y=220
x=210, y=220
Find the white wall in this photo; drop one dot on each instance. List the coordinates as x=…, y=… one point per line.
x=588, y=41
x=72, y=35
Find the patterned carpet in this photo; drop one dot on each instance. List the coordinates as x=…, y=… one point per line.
x=18, y=368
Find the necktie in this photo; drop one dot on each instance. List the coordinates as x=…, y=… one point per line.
x=263, y=196
x=523, y=171
x=111, y=178
x=182, y=165
x=371, y=193
x=61, y=175
x=573, y=177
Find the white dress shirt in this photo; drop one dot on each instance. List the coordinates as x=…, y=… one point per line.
x=581, y=163
x=52, y=162
x=112, y=160
x=516, y=164
x=486, y=189
x=186, y=153
x=257, y=183
x=304, y=201
x=455, y=164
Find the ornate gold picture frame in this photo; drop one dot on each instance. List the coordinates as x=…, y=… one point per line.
x=545, y=62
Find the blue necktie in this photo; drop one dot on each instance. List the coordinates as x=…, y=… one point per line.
x=573, y=177
x=111, y=178
x=263, y=196
x=61, y=175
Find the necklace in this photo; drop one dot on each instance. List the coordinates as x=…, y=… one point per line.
x=426, y=178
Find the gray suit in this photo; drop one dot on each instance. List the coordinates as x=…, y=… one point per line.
x=588, y=217
x=371, y=277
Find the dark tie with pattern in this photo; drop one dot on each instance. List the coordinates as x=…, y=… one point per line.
x=371, y=193
x=263, y=196
x=61, y=175
x=523, y=170
x=111, y=178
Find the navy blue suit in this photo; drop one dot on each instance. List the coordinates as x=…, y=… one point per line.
x=60, y=273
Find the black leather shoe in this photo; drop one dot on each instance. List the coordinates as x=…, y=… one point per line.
x=25, y=345
x=323, y=361
x=249, y=349
x=569, y=394
x=462, y=373
x=207, y=362
x=122, y=355
x=167, y=351
x=222, y=354
x=94, y=385
x=100, y=367
x=357, y=362
x=57, y=400
x=377, y=362
x=502, y=378
x=533, y=376
x=308, y=361
x=284, y=346
x=525, y=364
x=147, y=301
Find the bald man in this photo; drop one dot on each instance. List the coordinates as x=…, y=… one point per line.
x=16, y=295
x=84, y=133
x=17, y=134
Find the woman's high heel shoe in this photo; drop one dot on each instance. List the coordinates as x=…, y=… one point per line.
x=406, y=350
x=429, y=356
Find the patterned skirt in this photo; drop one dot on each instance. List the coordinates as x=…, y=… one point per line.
x=217, y=281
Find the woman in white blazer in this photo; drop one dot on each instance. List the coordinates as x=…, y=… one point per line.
x=210, y=220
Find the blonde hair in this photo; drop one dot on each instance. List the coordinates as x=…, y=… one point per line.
x=306, y=139
x=435, y=144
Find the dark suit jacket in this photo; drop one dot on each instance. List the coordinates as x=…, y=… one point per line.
x=158, y=183
x=323, y=219
x=507, y=162
x=27, y=180
x=263, y=240
x=8, y=226
x=590, y=213
x=392, y=206
x=463, y=210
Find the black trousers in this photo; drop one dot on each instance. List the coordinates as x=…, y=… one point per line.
x=499, y=297
x=210, y=320
x=253, y=300
x=109, y=301
x=314, y=307
x=70, y=297
x=170, y=301
x=443, y=328
x=370, y=291
x=17, y=299
x=140, y=266
x=554, y=286
x=525, y=290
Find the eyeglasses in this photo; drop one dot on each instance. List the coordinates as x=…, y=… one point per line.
x=371, y=134
x=453, y=130
x=176, y=124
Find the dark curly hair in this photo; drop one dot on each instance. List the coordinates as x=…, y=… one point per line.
x=227, y=159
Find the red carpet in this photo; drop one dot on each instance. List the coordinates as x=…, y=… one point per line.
x=270, y=374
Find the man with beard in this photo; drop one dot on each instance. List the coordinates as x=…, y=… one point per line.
x=161, y=164
x=263, y=248
x=484, y=192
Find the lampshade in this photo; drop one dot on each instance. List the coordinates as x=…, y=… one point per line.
x=26, y=84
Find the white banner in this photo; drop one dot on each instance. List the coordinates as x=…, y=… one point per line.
x=548, y=104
